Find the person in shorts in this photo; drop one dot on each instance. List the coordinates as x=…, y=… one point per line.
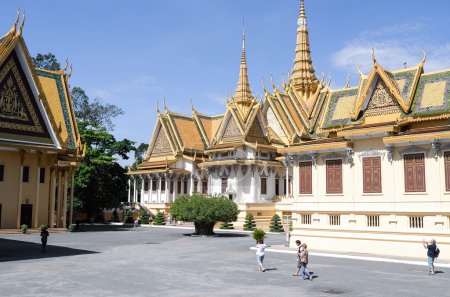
x=431, y=253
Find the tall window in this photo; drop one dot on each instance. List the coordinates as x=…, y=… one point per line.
x=25, y=174
x=334, y=176
x=146, y=185
x=171, y=187
x=205, y=187
x=2, y=172
x=372, y=175
x=154, y=185
x=224, y=184
x=447, y=170
x=305, y=169
x=414, y=173
x=42, y=175
x=277, y=186
x=263, y=186
x=195, y=186
x=185, y=189
x=179, y=186
x=163, y=184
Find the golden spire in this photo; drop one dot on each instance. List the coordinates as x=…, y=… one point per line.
x=243, y=92
x=303, y=77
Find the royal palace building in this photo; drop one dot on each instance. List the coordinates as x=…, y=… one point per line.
x=363, y=168
x=40, y=145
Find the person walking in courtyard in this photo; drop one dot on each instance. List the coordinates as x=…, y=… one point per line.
x=260, y=252
x=136, y=225
x=44, y=236
x=299, y=263
x=304, y=257
x=431, y=253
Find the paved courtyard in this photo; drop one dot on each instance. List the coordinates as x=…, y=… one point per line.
x=117, y=261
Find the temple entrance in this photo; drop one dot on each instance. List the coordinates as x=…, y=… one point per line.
x=26, y=214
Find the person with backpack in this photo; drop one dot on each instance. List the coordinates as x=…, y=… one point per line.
x=432, y=253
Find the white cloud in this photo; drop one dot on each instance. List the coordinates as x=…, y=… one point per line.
x=393, y=46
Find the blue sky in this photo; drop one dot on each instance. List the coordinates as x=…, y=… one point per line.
x=132, y=53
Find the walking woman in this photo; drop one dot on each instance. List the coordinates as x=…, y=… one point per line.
x=304, y=262
x=44, y=236
x=260, y=251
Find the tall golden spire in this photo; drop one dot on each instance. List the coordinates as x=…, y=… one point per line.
x=303, y=78
x=243, y=97
x=243, y=92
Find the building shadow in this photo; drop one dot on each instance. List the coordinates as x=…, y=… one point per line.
x=103, y=227
x=216, y=234
x=16, y=250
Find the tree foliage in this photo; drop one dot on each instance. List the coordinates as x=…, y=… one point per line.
x=47, y=61
x=275, y=224
x=159, y=219
x=94, y=111
x=204, y=211
x=143, y=216
x=249, y=224
x=115, y=216
x=128, y=218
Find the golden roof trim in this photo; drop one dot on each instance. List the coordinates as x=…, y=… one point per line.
x=412, y=138
x=367, y=131
x=316, y=147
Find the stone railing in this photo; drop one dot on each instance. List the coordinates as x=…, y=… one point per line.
x=283, y=198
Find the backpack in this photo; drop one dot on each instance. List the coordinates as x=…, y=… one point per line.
x=437, y=252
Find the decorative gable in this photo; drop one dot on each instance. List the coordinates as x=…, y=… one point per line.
x=382, y=101
x=232, y=131
x=20, y=116
x=255, y=132
x=162, y=144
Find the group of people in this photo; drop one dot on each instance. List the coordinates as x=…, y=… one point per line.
x=302, y=258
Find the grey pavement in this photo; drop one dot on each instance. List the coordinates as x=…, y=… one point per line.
x=116, y=261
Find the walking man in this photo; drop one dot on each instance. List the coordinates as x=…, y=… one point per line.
x=431, y=253
x=299, y=263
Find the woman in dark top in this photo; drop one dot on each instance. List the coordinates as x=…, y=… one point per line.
x=44, y=236
x=431, y=253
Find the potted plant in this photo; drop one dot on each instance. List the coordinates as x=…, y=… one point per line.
x=72, y=227
x=258, y=234
x=24, y=228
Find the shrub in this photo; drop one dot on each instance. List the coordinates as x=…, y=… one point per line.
x=226, y=226
x=275, y=224
x=115, y=216
x=144, y=216
x=42, y=227
x=24, y=228
x=72, y=227
x=204, y=211
x=250, y=224
x=258, y=234
x=128, y=216
x=159, y=219
x=100, y=216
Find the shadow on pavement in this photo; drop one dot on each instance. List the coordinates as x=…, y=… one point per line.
x=16, y=250
x=103, y=227
x=228, y=234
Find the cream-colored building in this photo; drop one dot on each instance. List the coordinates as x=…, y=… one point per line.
x=361, y=169
x=40, y=146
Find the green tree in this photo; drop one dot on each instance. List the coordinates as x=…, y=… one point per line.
x=128, y=217
x=275, y=224
x=100, y=181
x=258, y=234
x=249, y=224
x=204, y=211
x=159, y=219
x=47, y=61
x=115, y=216
x=226, y=226
x=144, y=216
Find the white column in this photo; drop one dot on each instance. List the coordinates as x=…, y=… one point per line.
x=58, y=200
x=36, y=208
x=129, y=189
x=158, y=199
x=142, y=188
x=52, y=191
x=64, y=210
x=191, y=184
x=150, y=190
x=167, y=189
x=134, y=189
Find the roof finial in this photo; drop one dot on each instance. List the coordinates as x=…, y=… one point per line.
x=66, y=67
x=70, y=72
x=302, y=16
x=157, y=106
x=243, y=91
x=424, y=57
x=14, y=26
x=19, y=32
x=264, y=86
x=347, y=84
x=164, y=102
x=192, y=106
x=271, y=81
x=373, y=56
